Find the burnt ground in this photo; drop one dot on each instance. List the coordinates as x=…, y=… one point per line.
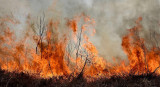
x=13, y=79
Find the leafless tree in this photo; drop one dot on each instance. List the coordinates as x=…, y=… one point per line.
x=79, y=38
x=41, y=28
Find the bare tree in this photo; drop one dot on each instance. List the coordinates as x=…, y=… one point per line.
x=40, y=30
x=79, y=38
x=42, y=27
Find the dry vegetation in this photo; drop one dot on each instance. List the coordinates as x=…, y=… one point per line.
x=24, y=80
x=53, y=65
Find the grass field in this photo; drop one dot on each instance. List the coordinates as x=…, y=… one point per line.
x=13, y=79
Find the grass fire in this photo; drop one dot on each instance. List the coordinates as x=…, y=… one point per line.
x=63, y=45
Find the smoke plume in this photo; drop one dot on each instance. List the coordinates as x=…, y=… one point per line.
x=113, y=17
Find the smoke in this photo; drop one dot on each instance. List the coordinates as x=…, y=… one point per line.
x=113, y=17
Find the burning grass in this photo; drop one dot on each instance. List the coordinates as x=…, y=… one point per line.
x=71, y=59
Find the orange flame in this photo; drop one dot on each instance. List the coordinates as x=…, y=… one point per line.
x=52, y=60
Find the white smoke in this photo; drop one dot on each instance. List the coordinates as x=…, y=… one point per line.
x=113, y=17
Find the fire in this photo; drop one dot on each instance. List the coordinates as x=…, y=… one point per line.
x=140, y=58
x=73, y=52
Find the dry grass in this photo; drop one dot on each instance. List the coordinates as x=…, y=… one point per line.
x=24, y=80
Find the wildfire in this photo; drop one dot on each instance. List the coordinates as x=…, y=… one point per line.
x=74, y=53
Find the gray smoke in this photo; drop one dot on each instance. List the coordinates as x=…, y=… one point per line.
x=113, y=17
